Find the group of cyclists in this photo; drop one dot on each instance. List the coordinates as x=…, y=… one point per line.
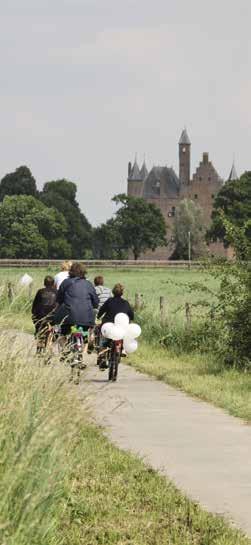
x=70, y=300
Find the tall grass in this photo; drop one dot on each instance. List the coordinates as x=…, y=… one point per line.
x=36, y=428
x=63, y=483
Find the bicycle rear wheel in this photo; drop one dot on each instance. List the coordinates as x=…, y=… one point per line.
x=113, y=366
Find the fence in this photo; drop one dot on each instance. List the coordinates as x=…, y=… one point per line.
x=101, y=264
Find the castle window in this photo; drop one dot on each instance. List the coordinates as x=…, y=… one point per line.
x=200, y=178
x=173, y=210
x=209, y=178
x=212, y=195
x=196, y=196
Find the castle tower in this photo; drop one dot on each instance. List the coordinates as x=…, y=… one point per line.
x=135, y=181
x=184, y=158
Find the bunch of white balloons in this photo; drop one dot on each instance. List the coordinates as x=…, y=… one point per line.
x=122, y=329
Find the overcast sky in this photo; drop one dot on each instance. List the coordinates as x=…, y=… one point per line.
x=85, y=84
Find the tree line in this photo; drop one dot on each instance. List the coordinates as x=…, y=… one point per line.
x=49, y=223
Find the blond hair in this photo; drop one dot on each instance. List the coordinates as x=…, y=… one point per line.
x=66, y=265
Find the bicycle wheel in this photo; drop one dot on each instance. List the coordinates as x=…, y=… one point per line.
x=113, y=366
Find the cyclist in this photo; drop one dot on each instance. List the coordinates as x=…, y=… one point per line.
x=77, y=300
x=63, y=274
x=42, y=310
x=114, y=305
x=107, y=312
x=102, y=292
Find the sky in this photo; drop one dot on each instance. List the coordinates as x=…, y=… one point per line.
x=87, y=84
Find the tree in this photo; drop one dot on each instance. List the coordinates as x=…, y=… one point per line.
x=20, y=182
x=29, y=229
x=61, y=194
x=188, y=218
x=107, y=241
x=140, y=224
x=234, y=201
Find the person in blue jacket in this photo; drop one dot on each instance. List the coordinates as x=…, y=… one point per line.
x=76, y=300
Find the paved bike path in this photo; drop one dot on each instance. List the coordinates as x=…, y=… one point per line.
x=202, y=449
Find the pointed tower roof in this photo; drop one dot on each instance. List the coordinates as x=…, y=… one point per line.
x=144, y=171
x=233, y=174
x=135, y=172
x=184, y=139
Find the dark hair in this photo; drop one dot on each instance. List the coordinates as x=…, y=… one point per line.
x=77, y=270
x=49, y=281
x=98, y=281
x=118, y=290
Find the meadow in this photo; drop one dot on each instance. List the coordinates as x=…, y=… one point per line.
x=168, y=350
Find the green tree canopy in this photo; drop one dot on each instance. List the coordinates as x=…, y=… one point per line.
x=189, y=218
x=234, y=201
x=20, y=182
x=61, y=194
x=29, y=229
x=108, y=242
x=140, y=224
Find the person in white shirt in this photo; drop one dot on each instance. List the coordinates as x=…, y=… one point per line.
x=63, y=274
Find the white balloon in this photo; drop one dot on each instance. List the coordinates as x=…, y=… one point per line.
x=117, y=333
x=130, y=345
x=26, y=280
x=133, y=331
x=121, y=319
x=106, y=329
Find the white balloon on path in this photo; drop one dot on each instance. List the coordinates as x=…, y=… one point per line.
x=133, y=331
x=121, y=319
x=106, y=329
x=117, y=333
x=130, y=345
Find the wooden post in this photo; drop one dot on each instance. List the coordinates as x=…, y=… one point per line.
x=188, y=315
x=163, y=309
x=138, y=301
x=10, y=292
x=30, y=289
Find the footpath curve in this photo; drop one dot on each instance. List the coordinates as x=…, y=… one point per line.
x=202, y=449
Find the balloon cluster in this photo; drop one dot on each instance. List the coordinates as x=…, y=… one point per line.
x=121, y=329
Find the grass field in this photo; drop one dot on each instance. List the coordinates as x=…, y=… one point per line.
x=63, y=483
x=197, y=373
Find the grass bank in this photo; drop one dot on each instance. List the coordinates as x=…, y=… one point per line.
x=199, y=375
x=63, y=483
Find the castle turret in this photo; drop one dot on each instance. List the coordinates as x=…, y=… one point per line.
x=233, y=174
x=135, y=180
x=184, y=158
x=144, y=171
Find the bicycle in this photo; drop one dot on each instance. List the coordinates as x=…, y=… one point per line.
x=77, y=343
x=114, y=356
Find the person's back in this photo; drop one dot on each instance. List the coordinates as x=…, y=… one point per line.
x=77, y=299
x=44, y=302
x=63, y=274
x=114, y=305
x=102, y=291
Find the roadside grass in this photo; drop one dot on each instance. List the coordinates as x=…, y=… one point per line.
x=197, y=374
x=63, y=483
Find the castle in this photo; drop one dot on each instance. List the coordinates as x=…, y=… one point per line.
x=165, y=189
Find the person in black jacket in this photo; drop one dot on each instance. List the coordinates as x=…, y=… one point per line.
x=43, y=307
x=77, y=300
x=114, y=305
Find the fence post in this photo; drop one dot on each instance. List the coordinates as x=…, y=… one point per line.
x=10, y=292
x=188, y=315
x=163, y=309
x=138, y=301
x=30, y=289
